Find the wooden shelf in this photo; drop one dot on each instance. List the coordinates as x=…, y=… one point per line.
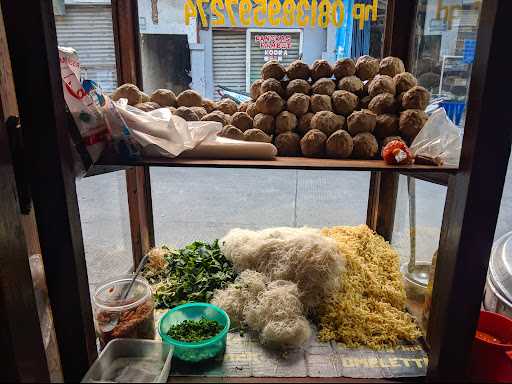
x=279, y=163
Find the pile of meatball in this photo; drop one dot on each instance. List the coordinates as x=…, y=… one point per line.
x=349, y=110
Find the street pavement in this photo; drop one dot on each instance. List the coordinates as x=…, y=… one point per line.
x=204, y=204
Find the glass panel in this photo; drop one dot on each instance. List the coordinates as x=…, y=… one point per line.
x=443, y=50
x=204, y=204
x=105, y=225
x=86, y=26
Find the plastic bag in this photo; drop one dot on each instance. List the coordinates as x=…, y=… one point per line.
x=85, y=101
x=439, y=140
x=159, y=133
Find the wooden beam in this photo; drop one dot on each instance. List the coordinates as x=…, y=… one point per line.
x=129, y=70
x=23, y=354
x=33, y=50
x=9, y=106
x=398, y=31
x=473, y=201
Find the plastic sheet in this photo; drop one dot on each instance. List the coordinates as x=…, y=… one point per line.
x=439, y=139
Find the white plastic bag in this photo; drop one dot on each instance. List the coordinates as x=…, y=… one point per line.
x=159, y=133
x=439, y=139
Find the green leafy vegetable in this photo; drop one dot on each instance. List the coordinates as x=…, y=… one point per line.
x=190, y=274
x=195, y=330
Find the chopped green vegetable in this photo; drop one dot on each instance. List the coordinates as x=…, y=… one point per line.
x=190, y=274
x=192, y=331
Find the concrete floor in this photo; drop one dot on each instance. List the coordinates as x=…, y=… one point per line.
x=203, y=204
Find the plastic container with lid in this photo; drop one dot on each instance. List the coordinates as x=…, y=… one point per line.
x=131, y=361
x=197, y=351
x=117, y=318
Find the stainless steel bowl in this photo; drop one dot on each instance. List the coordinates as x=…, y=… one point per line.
x=498, y=289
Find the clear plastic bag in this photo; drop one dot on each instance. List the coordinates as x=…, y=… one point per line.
x=159, y=133
x=439, y=140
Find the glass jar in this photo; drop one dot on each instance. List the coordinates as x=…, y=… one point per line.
x=117, y=318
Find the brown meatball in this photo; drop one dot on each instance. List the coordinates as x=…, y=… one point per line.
x=387, y=125
x=364, y=102
x=148, y=106
x=344, y=102
x=242, y=107
x=391, y=66
x=270, y=103
x=298, y=70
x=130, y=92
x=298, y=103
x=320, y=68
x=327, y=122
x=383, y=103
x=189, y=98
x=217, y=116
x=298, y=86
x=361, y=121
x=288, y=144
x=186, y=114
x=242, y=121
x=252, y=110
x=404, y=81
x=416, y=98
x=339, y=145
x=365, y=146
x=209, y=105
x=305, y=123
x=389, y=139
x=257, y=135
x=199, y=111
x=264, y=123
x=273, y=85
x=231, y=132
x=321, y=103
x=313, y=143
x=256, y=89
x=367, y=67
x=323, y=87
x=227, y=106
x=411, y=122
x=344, y=68
x=285, y=122
x=272, y=70
x=351, y=84
x=381, y=84
x=164, y=97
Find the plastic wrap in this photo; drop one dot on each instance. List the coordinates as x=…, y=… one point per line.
x=439, y=140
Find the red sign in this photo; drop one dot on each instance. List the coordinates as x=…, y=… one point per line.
x=274, y=41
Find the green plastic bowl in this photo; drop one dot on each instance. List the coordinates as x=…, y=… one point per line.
x=201, y=350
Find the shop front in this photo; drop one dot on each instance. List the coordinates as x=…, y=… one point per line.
x=322, y=106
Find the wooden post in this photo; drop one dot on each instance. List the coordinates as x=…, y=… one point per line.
x=473, y=201
x=33, y=49
x=138, y=183
x=23, y=354
x=384, y=186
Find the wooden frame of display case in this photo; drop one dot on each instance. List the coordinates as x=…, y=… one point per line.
x=470, y=215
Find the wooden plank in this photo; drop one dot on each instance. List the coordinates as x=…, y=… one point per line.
x=399, y=29
x=36, y=70
x=10, y=108
x=473, y=201
x=435, y=178
x=23, y=354
x=279, y=163
x=129, y=70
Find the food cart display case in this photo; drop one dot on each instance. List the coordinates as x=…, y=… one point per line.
x=38, y=169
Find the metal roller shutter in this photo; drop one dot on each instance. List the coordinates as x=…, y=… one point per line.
x=229, y=60
x=88, y=29
x=260, y=54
